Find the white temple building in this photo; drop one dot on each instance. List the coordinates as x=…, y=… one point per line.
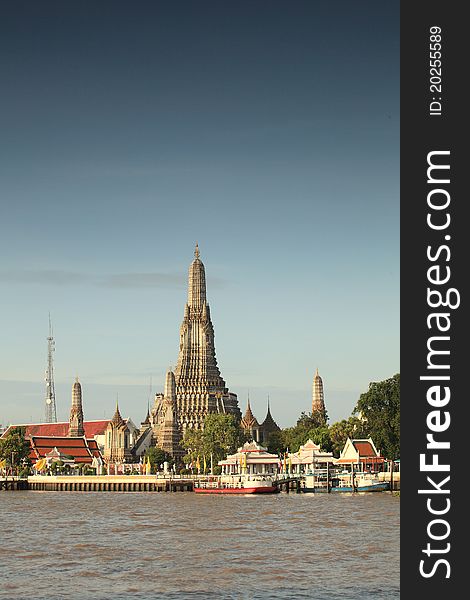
x=309, y=457
x=251, y=459
x=361, y=455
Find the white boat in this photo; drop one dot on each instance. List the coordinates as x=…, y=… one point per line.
x=237, y=484
x=358, y=482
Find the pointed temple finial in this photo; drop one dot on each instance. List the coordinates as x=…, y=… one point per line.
x=117, y=419
x=249, y=420
x=269, y=424
x=170, y=385
x=196, y=282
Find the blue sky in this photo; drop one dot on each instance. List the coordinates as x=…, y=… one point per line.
x=266, y=131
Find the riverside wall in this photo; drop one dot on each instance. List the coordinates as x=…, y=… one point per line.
x=108, y=483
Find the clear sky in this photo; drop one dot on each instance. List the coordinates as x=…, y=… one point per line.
x=268, y=132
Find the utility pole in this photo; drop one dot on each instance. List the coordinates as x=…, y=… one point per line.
x=51, y=410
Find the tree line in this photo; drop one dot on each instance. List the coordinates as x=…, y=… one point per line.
x=376, y=415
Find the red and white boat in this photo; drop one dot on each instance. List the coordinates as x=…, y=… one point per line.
x=237, y=484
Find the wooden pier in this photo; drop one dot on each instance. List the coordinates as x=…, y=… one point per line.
x=13, y=483
x=108, y=483
x=289, y=484
x=393, y=478
x=153, y=483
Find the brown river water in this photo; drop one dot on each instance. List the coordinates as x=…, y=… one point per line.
x=67, y=545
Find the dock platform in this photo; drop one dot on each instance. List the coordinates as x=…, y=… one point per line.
x=108, y=483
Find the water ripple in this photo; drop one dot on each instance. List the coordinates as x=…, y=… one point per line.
x=146, y=546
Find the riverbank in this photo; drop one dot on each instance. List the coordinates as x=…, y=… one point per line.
x=108, y=483
x=134, y=483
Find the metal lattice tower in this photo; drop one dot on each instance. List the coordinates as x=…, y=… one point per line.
x=51, y=411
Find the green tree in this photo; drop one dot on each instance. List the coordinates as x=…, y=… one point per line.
x=313, y=420
x=25, y=471
x=157, y=457
x=341, y=430
x=276, y=442
x=195, y=445
x=293, y=437
x=379, y=407
x=221, y=436
x=309, y=426
x=321, y=436
x=14, y=448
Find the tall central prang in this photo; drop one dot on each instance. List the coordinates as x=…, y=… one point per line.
x=200, y=389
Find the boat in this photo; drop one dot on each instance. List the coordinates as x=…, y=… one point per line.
x=237, y=484
x=358, y=482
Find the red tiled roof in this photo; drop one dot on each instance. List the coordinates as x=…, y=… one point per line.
x=42, y=442
x=81, y=449
x=364, y=448
x=94, y=448
x=92, y=428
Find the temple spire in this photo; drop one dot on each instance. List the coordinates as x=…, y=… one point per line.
x=249, y=420
x=200, y=388
x=76, y=427
x=269, y=424
x=169, y=434
x=117, y=419
x=318, y=396
x=170, y=385
x=269, y=409
x=196, y=282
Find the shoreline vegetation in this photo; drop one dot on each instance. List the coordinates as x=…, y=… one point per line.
x=376, y=415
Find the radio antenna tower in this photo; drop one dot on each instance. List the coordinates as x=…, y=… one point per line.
x=51, y=411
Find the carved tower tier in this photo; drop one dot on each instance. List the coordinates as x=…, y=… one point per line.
x=200, y=388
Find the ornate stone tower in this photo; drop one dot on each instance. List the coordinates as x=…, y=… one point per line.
x=318, y=398
x=76, y=428
x=167, y=431
x=117, y=440
x=200, y=388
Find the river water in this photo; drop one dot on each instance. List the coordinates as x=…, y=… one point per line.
x=116, y=546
